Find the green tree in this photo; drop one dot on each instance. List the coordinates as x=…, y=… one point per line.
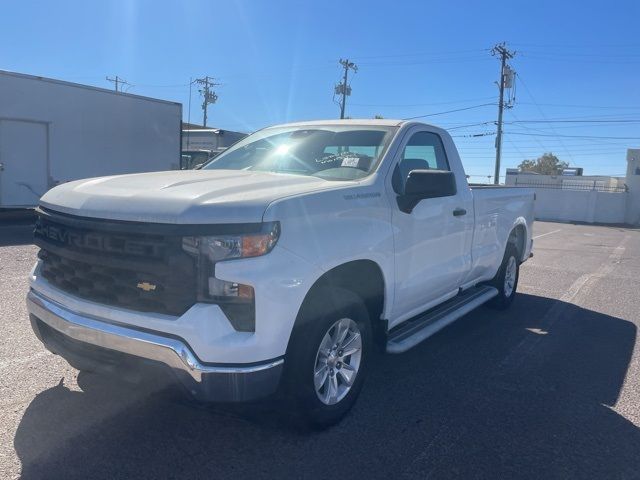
x=547, y=164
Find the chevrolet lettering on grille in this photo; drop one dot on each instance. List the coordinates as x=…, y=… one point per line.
x=98, y=241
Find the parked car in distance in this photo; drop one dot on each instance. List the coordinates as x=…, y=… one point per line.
x=283, y=263
x=195, y=159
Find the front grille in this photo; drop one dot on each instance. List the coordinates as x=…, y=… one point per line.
x=147, y=273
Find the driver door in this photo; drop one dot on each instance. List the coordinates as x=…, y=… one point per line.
x=430, y=242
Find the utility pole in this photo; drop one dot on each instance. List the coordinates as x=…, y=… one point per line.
x=118, y=82
x=343, y=87
x=208, y=95
x=506, y=80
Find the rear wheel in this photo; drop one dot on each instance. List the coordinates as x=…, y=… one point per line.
x=506, y=280
x=329, y=357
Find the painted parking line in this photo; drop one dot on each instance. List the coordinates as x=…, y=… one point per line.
x=548, y=233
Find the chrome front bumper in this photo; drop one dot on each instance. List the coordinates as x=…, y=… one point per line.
x=205, y=381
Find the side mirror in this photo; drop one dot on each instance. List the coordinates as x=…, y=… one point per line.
x=423, y=184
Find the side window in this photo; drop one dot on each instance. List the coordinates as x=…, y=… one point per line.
x=423, y=151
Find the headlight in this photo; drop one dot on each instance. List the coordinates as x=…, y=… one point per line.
x=226, y=247
x=235, y=299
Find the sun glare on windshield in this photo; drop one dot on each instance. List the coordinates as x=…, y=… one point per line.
x=331, y=152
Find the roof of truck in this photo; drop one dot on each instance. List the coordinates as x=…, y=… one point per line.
x=352, y=121
x=372, y=122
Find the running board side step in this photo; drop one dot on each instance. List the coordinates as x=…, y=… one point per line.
x=413, y=331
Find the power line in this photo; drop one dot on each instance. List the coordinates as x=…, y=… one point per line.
x=418, y=104
x=420, y=54
x=175, y=85
x=506, y=75
x=208, y=95
x=519, y=148
x=516, y=148
x=473, y=135
x=569, y=105
x=580, y=46
x=423, y=62
x=573, y=136
x=600, y=121
x=589, y=60
x=537, y=140
x=449, y=111
x=548, y=53
x=118, y=82
x=532, y=148
x=522, y=125
x=603, y=128
x=343, y=88
x=524, y=84
x=585, y=141
x=612, y=116
x=469, y=125
x=576, y=121
x=530, y=153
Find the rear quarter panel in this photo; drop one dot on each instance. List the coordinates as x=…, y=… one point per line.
x=498, y=210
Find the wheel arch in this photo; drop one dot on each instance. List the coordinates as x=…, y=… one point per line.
x=364, y=278
x=518, y=236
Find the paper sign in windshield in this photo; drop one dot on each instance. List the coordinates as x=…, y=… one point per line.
x=350, y=162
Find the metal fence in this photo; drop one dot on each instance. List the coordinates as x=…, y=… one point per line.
x=588, y=185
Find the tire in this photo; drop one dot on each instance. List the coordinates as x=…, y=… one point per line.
x=509, y=269
x=317, y=373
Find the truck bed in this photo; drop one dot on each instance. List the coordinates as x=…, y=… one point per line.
x=497, y=209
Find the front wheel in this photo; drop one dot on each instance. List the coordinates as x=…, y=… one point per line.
x=329, y=357
x=506, y=280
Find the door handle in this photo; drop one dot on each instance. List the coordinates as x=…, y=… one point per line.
x=458, y=212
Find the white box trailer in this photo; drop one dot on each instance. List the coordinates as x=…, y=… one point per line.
x=53, y=132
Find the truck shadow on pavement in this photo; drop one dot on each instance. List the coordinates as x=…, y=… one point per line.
x=525, y=393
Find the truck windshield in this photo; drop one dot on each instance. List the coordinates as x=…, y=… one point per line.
x=330, y=152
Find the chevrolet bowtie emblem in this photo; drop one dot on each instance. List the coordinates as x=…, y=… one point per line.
x=146, y=286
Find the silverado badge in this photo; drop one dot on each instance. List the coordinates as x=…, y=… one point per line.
x=146, y=286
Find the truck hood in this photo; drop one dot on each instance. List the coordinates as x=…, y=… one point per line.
x=186, y=197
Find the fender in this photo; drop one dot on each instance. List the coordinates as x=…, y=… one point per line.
x=334, y=227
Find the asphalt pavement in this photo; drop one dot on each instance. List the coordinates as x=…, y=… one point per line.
x=549, y=388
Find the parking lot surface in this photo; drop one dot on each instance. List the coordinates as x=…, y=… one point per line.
x=547, y=389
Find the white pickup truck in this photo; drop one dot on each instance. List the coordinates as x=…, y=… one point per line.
x=284, y=263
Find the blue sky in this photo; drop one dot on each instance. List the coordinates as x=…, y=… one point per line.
x=277, y=62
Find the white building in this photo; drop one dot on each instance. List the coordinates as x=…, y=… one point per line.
x=585, y=198
x=633, y=186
